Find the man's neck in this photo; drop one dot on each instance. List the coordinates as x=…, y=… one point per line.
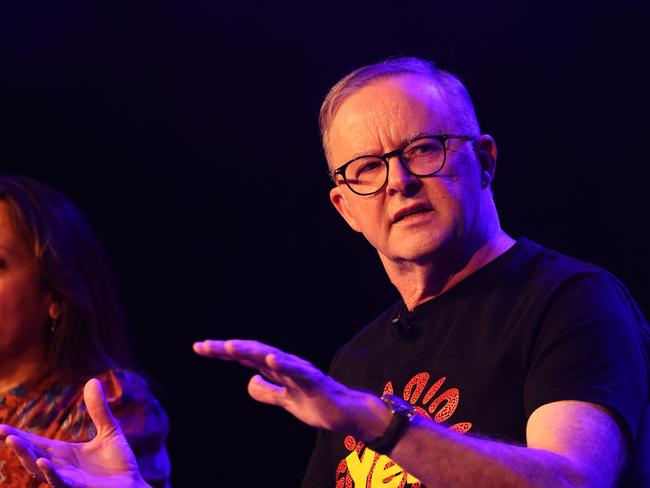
x=420, y=282
x=19, y=368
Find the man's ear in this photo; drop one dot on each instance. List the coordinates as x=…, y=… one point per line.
x=339, y=200
x=486, y=152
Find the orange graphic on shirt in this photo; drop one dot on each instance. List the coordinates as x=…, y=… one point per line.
x=364, y=468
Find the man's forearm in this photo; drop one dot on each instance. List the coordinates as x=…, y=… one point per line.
x=439, y=457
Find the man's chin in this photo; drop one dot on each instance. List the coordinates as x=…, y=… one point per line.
x=423, y=251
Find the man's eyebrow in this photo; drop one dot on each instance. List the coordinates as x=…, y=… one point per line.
x=415, y=135
x=358, y=154
x=409, y=137
x=403, y=142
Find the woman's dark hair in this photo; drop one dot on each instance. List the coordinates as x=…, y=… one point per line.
x=91, y=334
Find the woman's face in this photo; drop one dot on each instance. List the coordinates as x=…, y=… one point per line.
x=25, y=302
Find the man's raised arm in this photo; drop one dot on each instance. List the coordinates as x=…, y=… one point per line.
x=569, y=443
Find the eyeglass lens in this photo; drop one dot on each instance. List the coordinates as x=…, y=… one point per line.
x=422, y=157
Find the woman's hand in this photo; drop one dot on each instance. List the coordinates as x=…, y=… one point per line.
x=105, y=461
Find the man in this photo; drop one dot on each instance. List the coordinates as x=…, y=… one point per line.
x=504, y=364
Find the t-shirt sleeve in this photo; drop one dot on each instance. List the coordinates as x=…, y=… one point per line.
x=591, y=347
x=319, y=472
x=143, y=422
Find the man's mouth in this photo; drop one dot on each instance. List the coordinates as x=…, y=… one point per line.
x=409, y=212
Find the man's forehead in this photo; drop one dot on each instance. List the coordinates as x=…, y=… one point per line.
x=388, y=111
x=391, y=96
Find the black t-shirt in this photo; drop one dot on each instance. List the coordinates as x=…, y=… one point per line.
x=529, y=328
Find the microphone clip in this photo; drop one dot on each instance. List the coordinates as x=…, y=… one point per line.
x=400, y=326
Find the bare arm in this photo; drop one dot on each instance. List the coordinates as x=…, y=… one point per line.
x=568, y=443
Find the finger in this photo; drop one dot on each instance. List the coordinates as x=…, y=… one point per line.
x=224, y=349
x=301, y=372
x=7, y=430
x=252, y=351
x=279, y=366
x=248, y=353
x=40, y=445
x=271, y=375
x=211, y=349
x=36, y=449
x=50, y=474
x=266, y=392
x=25, y=455
x=98, y=408
x=217, y=350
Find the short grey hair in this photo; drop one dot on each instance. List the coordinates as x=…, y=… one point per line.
x=452, y=88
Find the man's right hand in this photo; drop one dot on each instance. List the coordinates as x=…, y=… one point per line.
x=302, y=389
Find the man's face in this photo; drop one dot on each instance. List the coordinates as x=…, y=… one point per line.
x=412, y=218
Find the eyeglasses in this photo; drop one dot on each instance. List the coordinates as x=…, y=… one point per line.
x=423, y=156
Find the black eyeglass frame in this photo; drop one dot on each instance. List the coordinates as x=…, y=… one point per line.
x=442, y=138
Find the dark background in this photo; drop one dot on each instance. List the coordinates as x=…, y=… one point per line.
x=187, y=132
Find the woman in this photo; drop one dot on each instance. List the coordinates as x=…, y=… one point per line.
x=61, y=322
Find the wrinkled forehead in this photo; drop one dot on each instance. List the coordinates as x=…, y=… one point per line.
x=388, y=112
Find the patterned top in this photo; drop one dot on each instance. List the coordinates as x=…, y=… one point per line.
x=52, y=408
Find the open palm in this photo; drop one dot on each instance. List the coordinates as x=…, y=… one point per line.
x=105, y=461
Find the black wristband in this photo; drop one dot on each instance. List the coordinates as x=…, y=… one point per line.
x=403, y=412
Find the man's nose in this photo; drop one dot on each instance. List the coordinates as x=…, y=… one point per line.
x=400, y=180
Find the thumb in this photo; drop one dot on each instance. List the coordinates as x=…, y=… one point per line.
x=98, y=408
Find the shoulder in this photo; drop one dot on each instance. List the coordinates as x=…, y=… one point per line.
x=130, y=398
x=123, y=385
x=542, y=276
x=584, y=282
x=538, y=262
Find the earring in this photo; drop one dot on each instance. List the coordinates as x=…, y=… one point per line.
x=55, y=322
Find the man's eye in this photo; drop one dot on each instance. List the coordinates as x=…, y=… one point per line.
x=424, y=148
x=366, y=167
x=371, y=166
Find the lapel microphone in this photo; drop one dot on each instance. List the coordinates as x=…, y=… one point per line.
x=400, y=325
